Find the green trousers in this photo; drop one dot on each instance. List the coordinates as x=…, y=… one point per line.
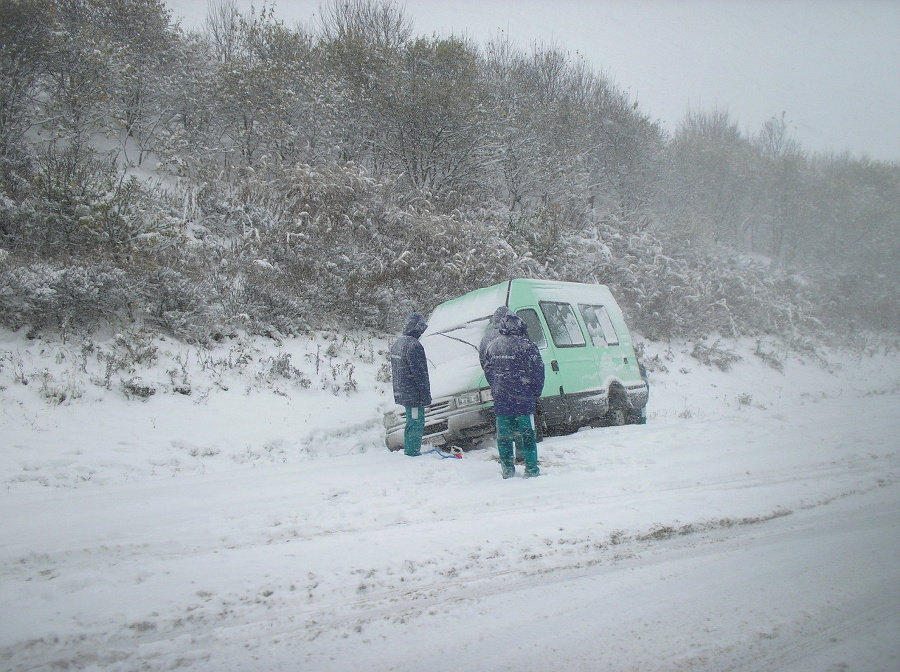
x=412, y=434
x=517, y=430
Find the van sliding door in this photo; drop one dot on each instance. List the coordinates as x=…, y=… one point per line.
x=574, y=362
x=553, y=406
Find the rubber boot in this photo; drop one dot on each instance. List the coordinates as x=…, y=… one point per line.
x=412, y=435
x=529, y=446
x=505, y=434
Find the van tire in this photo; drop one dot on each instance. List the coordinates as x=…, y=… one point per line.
x=617, y=414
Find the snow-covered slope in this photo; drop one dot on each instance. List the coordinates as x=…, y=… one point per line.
x=246, y=516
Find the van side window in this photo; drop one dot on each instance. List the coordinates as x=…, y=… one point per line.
x=600, y=327
x=561, y=320
x=535, y=330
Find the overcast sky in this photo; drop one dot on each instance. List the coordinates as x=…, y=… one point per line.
x=832, y=66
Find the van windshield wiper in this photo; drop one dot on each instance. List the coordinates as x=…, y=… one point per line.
x=454, y=338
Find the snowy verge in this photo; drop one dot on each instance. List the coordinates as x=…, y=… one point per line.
x=134, y=406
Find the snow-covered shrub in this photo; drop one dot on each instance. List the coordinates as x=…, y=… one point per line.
x=136, y=387
x=80, y=200
x=280, y=366
x=769, y=357
x=135, y=349
x=58, y=392
x=273, y=305
x=127, y=352
x=181, y=302
x=384, y=372
x=715, y=355
x=343, y=248
x=44, y=295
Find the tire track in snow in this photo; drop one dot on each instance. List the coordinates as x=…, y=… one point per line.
x=386, y=600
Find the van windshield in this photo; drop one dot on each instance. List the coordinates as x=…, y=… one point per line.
x=462, y=341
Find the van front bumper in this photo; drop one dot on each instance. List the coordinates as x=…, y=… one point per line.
x=444, y=424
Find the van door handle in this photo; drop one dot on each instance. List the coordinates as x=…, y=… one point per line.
x=554, y=365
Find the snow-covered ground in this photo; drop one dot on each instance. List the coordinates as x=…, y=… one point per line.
x=246, y=516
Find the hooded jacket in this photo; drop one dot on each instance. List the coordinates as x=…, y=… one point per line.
x=514, y=369
x=409, y=368
x=492, y=332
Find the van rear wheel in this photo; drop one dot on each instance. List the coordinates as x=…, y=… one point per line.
x=617, y=413
x=616, y=417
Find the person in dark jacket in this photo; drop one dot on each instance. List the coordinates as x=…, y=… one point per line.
x=412, y=387
x=492, y=332
x=515, y=372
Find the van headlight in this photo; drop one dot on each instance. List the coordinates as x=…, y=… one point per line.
x=468, y=398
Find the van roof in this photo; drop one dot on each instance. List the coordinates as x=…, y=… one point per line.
x=481, y=303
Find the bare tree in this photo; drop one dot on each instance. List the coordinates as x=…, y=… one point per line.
x=432, y=112
x=382, y=25
x=708, y=184
x=24, y=36
x=221, y=28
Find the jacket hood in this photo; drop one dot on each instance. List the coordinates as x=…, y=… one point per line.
x=415, y=325
x=498, y=315
x=512, y=325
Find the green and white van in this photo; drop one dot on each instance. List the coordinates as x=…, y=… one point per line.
x=592, y=374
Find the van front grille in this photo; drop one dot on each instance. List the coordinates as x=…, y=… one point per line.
x=437, y=407
x=437, y=412
x=436, y=428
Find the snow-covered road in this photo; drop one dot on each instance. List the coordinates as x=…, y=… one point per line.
x=752, y=524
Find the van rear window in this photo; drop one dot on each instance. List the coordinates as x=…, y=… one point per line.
x=599, y=326
x=563, y=325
